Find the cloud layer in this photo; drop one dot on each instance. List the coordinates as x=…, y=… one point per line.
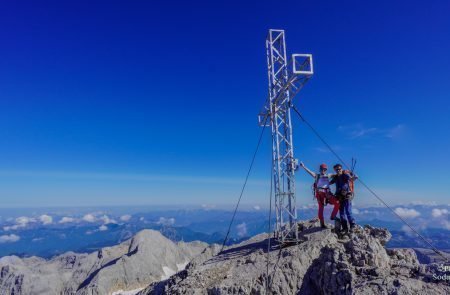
x=9, y=238
x=125, y=217
x=436, y=212
x=66, y=219
x=46, y=219
x=166, y=221
x=89, y=218
x=407, y=213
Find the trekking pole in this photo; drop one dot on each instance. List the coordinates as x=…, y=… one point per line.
x=353, y=164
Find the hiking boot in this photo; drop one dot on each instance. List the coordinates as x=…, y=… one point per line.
x=344, y=225
x=323, y=225
x=337, y=225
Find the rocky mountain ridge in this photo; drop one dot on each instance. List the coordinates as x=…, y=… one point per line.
x=149, y=263
x=133, y=264
x=321, y=264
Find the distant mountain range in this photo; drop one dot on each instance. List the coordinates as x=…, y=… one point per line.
x=145, y=258
x=48, y=233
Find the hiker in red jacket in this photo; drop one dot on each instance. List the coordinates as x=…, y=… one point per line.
x=322, y=192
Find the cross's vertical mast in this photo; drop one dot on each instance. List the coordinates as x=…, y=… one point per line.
x=286, y=78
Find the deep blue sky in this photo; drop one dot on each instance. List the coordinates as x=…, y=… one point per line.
x=153, y=102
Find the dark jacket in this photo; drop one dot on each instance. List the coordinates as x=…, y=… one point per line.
x=342, y=183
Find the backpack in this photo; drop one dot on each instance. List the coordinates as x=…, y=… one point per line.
x=315, y=182
x=351, y=184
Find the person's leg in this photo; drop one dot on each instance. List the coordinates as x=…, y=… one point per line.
x=342, y=205
x=335, y=204
x=349, y=213
x=320, y=201
x=341, y=209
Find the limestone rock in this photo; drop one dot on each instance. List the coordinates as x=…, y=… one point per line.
x=321, y=264
x=147, y=257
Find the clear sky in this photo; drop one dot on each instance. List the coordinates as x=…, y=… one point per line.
x=155, y=102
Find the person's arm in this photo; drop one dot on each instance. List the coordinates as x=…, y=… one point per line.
x=307, y=170
x=333, y=179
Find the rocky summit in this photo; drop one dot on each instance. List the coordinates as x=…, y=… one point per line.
x=322, y=263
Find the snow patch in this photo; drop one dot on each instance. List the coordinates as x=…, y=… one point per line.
x=182, y=266
x=129, y=292
x=168, y=272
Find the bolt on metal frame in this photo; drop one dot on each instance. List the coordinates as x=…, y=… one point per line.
x=284, y=83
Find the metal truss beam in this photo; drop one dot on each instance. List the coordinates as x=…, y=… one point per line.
x=286, y=79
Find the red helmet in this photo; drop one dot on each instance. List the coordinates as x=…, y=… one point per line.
x=323, y=166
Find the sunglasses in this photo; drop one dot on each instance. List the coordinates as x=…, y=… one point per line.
x=323, y=169
x=338, y=169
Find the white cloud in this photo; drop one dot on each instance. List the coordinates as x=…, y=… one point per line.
x=407, y=230
x=309, y=206
x=439, y=212
x=89, y=218
x=66, y=219
x=46, y=219
x=141, y=219
x=21, y=222
x=359, y=130
x=37, y=239
x=395, y=131
x=208, y=206
x=407, y=213
x=103, y=228
x=107, y=220
x=9, y=238
x=446, y=224
x=241, y=229
x=355, y=211
x=166, y=221
x=424, y=203
x=125, y=217
x=257, y=207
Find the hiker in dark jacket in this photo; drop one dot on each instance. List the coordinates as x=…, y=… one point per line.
x=344, y=193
